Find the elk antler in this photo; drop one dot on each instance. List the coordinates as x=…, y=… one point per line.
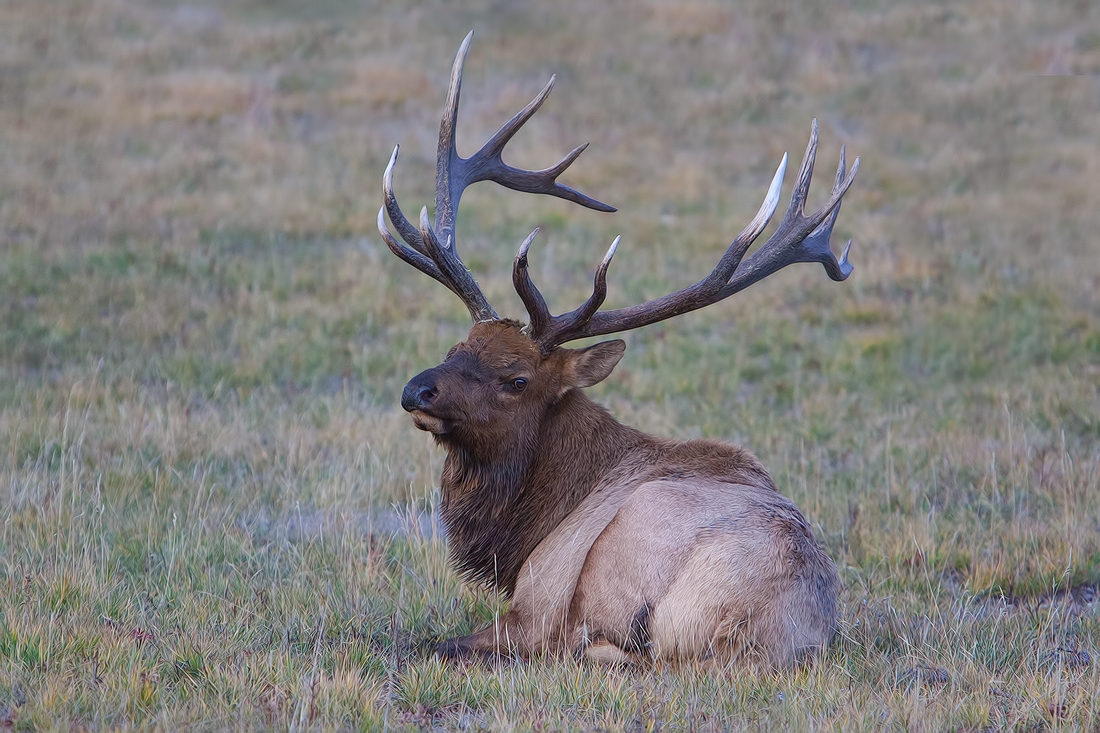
x=799, y=238
x=432, y=250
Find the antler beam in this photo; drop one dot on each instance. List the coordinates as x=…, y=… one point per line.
x=432, y=250
x=799, y=238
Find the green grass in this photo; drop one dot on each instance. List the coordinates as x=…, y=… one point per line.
x=216, y=516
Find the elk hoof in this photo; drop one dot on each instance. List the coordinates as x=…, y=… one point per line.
x=452, y=649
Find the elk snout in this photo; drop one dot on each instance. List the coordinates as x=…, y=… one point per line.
x=419, y=393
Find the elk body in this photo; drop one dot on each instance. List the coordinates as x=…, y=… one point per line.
x=611, y=543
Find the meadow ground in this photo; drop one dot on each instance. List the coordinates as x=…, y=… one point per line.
x=216, y=516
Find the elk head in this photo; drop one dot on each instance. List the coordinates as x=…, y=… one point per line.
x=493, y=389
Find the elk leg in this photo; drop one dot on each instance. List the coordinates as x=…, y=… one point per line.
x=500, y=638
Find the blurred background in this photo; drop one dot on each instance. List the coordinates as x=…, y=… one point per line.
x=188, y=195
x=209, y=129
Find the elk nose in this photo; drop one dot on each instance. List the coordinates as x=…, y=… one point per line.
x=418, y=394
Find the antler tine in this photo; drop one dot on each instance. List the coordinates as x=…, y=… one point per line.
x=599, y=284
x=494, y=146
x=802, y=238
x=404, y=227
x=410, y=256
x=424, y=252
x=455, y=173
x=801, y=189
x=459, y=279
x=537, y=311
x=842, y=268
x=737, y=249
x=799, y=238
x=553, y=330
x=579, y=318
x=448, y=191
x=541, y=181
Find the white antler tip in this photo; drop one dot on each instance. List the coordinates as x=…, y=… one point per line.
x=387, y=177
x=771, y=201
x=424, y=223
x=611, y=250
x=464, y=46
x=526, y=245
x=780, y=174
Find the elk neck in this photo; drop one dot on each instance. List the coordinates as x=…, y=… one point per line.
x=499, y=504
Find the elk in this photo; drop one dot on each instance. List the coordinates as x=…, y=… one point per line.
x=611, y=544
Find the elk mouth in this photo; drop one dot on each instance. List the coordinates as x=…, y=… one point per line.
x=430, y=423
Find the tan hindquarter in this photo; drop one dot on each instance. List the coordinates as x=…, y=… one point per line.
x=678, y=569
x=701, y=568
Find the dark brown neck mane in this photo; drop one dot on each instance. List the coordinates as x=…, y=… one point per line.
x=497, y=509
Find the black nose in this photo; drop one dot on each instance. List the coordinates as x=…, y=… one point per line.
x=418, y=393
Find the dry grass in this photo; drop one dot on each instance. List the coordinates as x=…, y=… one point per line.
x=215, y=517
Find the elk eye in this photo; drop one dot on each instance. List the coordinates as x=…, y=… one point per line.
x=519, y=384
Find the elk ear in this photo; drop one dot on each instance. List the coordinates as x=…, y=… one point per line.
x=591, y=365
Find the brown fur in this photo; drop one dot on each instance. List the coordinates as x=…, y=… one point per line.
x=611, y=542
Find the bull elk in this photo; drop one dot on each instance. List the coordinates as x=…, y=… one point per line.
x=610, y=543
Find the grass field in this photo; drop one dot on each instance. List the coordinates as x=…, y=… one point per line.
x=215, y=515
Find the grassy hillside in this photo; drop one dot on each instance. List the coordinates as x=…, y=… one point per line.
x=214, y=512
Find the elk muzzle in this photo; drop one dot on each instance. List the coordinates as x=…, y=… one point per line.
x=417, y=399
x=419, y=392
